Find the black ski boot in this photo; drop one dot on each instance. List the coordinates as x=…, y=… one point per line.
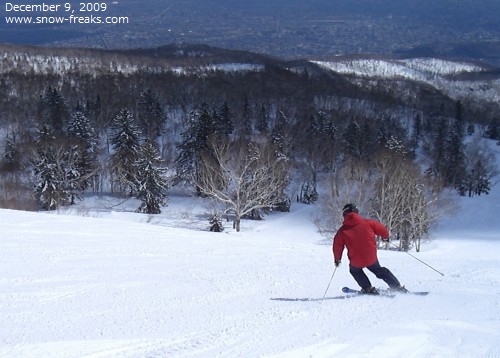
x=369, y=291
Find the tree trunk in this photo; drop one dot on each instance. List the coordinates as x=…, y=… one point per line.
x=236, y=224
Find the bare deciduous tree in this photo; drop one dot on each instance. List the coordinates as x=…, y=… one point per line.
x=244, y=176
x=391, y=190
x=351, y=183
x=404, y=200
x=425, y=205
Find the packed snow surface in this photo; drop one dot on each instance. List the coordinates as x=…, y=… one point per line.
x=101, y=281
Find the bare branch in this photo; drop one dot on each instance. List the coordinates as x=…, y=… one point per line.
x=243, y=176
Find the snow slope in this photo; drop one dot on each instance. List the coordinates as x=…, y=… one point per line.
x=115, y=284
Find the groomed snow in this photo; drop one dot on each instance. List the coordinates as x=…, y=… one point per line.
x=96, y=283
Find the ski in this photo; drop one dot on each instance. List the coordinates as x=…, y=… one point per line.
x=384, y=292
x=308, y=299
x=350, y=292
x=419, y=293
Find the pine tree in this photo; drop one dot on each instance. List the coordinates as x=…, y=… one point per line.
x=52, y=110
x=312, y=142
x=151, y=184
x=328, y=129
x=126, y=142
x=476, y=180
x=84, y=145
x=80, y=128
x=247, y=125
x=471, y=129
x=395, y=145
x=493, y=130
x=223, y=121
x=215, y=222
x=454, y=159
x=480, y=169
x=437, y=150
x=358, y=140
x=350, y=137
x=48, y=171
x=279, y=137
x=49, y=192
x=417, y=132
x=263, y=122
x=195, y=143
x=150, y=115
x=313, y=128
x=12, y=154
x=482, y=183
x=77, y=172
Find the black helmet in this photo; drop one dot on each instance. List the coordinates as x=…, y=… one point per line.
x=349, y=208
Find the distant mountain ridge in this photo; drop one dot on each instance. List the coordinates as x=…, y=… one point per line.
x=187, y=75
x=288, y=29
x=458, y=79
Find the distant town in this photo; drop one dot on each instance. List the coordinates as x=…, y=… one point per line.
x=297, y=30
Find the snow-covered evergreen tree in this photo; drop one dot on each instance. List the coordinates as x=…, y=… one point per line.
x=49, y=192
x=480, y=169
x=476, y=181
x=12, y=154
x=84, y=145
x=80, y=128
x=395, y=145
x=215, y=222
x=454, y=165
x=436, y=150
x=223, y=121
x=195, y=143
x=263, y=122
x=308, y=193
x=492, y=130
x=126, y=142
x=52, y=110
x=279, y=135
x=150, y=115
x=359, y=140
x=59, y=169
x=351, y=137
x=151, y=183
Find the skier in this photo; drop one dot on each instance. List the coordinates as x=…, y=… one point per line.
x=358, y=236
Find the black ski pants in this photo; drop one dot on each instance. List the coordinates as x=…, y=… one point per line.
x=379, y=271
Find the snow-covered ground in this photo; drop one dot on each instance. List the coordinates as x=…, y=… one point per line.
x=110, y=283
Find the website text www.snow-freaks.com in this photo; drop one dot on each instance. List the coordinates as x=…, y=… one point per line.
x=71, y=19
x=84, y=13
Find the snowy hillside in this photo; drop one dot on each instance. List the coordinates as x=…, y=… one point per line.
x=419, y=69
x=442, y=74
x=433, y=71
x=93, y=64
x=100, y=281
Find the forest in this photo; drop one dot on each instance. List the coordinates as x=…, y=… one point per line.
x=253, y=132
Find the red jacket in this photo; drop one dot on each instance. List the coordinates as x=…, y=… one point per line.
x=358, y=235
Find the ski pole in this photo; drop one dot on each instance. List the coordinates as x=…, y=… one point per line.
x=327, y=287
x=416, y=258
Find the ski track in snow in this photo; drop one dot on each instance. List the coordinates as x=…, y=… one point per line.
x=115, y=285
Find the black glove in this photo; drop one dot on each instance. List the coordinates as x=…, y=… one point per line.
x=337, y=263
x=386, y=239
